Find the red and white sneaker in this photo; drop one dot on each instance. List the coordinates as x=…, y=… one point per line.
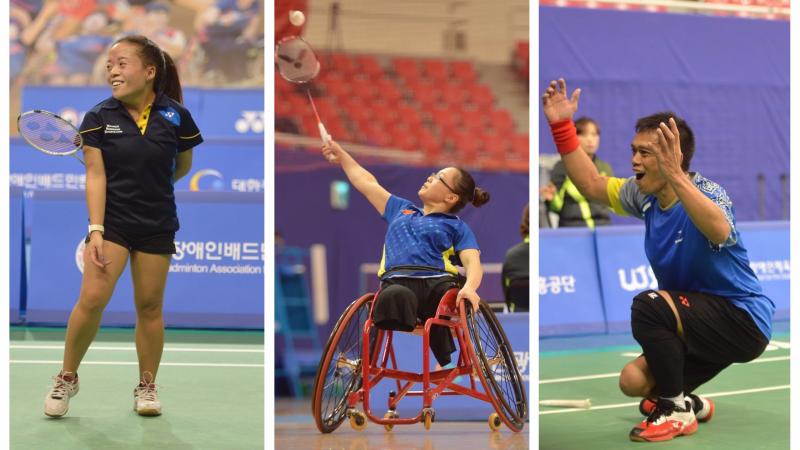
x=703, y=407
x=666, y=422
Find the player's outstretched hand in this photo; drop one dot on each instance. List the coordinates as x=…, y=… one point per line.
x=668, y=149
x=557, y=106
x=332, y=152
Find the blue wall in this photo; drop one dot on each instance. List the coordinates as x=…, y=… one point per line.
x=729, y=78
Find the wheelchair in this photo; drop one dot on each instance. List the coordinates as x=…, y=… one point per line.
x=358, y=355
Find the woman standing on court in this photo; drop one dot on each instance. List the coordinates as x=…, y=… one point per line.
x=138, y=143
x=710, y=310
x=420, y=247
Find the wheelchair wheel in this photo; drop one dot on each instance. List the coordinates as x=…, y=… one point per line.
x=498, y=366
x=339, y=371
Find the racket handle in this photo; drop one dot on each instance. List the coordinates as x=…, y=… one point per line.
x=323, y=133
x=567, y=403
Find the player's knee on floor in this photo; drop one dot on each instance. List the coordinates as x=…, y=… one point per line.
x=651, y=316
x=396, y=309
x=633, y=382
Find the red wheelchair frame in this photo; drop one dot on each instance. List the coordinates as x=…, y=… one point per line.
x=471, y=361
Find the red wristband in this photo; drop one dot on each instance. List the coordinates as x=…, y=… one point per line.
x=565, y=135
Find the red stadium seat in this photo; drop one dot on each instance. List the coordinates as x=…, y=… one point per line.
x=337, y=62
x=406, y=68
x=368, y=65
x=481, y=96
x=463, y=71
x=501, y=122
x=436, y=69
x=473, y=119
x=454, y=94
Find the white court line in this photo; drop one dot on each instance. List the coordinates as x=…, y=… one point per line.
x=133, y=363
x=616, y=374
x=625, y=405
x=166, y=349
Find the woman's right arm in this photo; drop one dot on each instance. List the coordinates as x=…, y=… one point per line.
x=359, y=177
x=95, y=201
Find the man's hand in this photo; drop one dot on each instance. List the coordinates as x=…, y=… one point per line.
x=668, y=150
x=556, y=104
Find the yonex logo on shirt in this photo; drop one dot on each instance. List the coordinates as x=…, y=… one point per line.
x=113, y=129
x=408, y=211
x=171, y=115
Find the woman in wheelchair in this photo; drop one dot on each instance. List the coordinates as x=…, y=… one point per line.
x=421, y=248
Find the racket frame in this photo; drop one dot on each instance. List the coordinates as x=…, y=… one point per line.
x=55, y=116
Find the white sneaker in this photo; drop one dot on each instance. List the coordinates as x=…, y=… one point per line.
x=145, y=397
x=56, y=404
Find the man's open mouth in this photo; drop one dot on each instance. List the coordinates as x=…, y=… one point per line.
x=639, y=175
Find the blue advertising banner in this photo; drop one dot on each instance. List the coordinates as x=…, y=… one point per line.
x=569, y=290
x=767, y=245
x=216, y=277
x=16, y=244
x=624, y=272
x=408, y=351
x=218, y=164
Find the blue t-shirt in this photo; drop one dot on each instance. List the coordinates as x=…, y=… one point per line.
x=415, y=239
x=683, y=259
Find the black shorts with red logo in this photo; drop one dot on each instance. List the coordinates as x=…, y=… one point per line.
x=716, y=334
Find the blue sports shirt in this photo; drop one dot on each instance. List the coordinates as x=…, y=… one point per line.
x=415, y=239
x=683, y=259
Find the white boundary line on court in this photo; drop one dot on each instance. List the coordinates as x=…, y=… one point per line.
x=624, y=405
x=134, y=363
x=616, y=374
x=166, y=349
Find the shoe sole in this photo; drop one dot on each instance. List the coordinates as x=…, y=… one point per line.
x=691, y=429
x=149, y=412
x=56, y=416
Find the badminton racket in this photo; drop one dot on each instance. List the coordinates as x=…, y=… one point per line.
x=297, y=63
x=585, y=404
x=50, y=133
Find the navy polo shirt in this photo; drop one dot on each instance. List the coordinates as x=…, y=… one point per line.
x=139, y=161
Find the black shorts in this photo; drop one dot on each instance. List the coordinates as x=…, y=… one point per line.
x=401, y=310
x=154, y=243
x=716, y=334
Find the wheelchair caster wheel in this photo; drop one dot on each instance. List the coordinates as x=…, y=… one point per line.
x=390, y=415
x=427, y=417
x=358, y=420
x=494, y=421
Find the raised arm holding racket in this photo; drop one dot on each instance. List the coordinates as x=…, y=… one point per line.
x=136, y=143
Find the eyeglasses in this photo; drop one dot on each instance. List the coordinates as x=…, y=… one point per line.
x=439, y=177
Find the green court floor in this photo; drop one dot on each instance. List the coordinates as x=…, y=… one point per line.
x=752, y=402
x=211, y=386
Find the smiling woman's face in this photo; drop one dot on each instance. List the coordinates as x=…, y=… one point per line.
x=126, y=73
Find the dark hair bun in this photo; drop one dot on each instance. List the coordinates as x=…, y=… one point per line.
x=479, y=197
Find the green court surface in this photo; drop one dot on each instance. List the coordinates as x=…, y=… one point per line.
x=211, y=386
x=752, y=402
